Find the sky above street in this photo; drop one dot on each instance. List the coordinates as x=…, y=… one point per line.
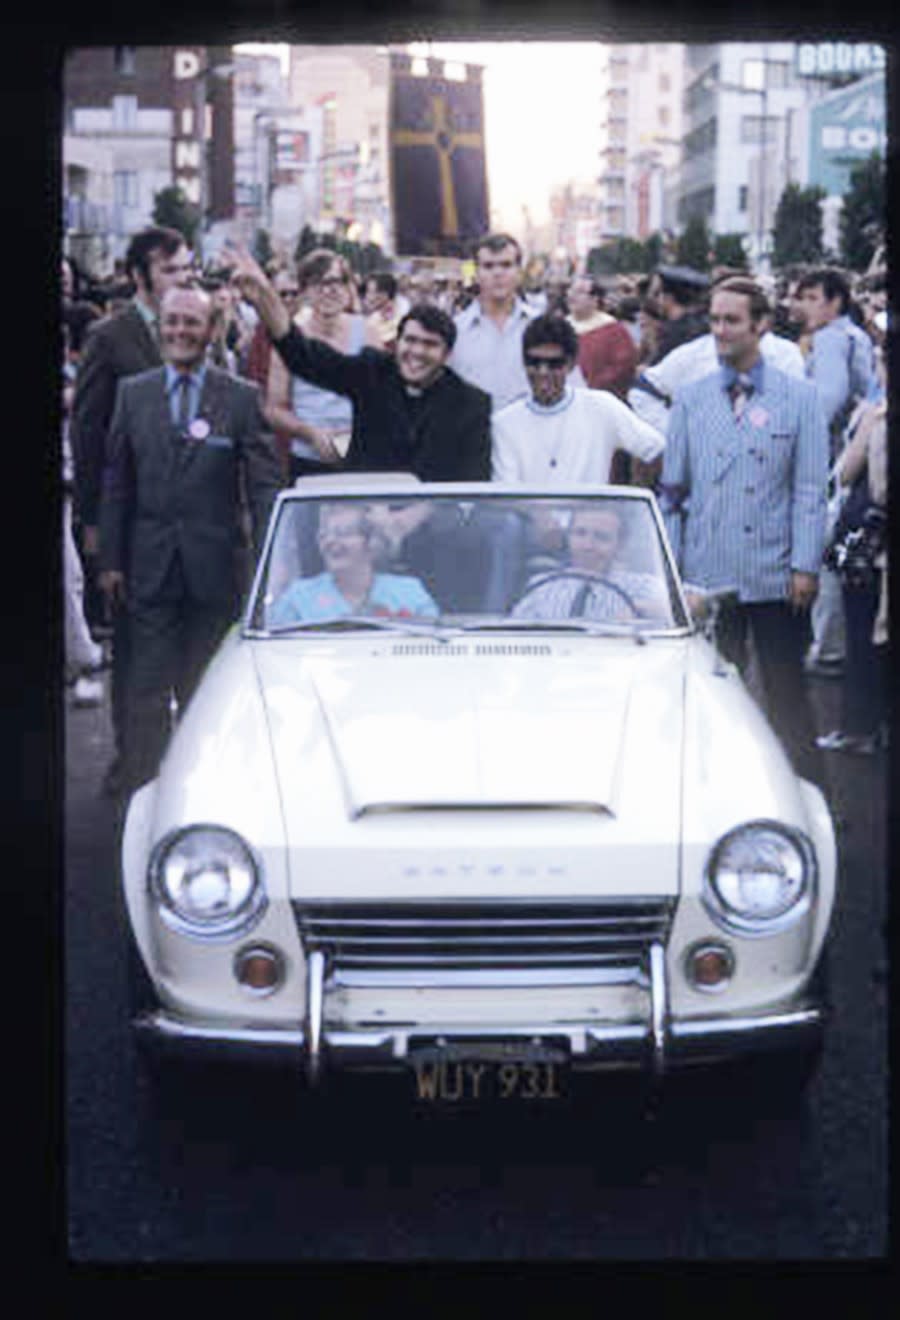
x=542, y=107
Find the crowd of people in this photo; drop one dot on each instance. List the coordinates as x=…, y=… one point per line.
x=754, y=408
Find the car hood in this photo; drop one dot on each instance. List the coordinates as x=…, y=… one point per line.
x=361, y=731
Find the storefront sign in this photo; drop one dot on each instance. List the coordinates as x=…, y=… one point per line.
x=824, y=59
x=845, y=127
x=187, y=140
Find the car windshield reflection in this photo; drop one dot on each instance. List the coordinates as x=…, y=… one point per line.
x=431, y=563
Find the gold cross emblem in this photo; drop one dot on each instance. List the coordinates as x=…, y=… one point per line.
x=445, y=140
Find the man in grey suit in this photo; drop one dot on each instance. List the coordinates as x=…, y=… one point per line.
x=182, y=438
x=118, y=346
x=743, y=494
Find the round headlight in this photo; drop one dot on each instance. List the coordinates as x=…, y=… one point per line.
x=760, y=877
x=206, y=883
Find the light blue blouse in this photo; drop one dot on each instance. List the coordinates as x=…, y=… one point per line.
x=318, y=599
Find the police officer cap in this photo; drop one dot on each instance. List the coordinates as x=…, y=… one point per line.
x=683, y=275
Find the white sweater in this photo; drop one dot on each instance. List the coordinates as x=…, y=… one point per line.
x=573, y=440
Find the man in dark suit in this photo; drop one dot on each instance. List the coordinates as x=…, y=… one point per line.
x=411, y=412
x=182, y=438
x=119, y=346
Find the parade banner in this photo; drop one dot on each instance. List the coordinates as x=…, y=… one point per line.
x=438, y=180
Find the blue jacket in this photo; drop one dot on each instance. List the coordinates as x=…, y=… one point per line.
x=841, y=366
x=744, y=502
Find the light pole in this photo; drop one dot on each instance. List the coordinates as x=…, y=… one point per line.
x=742, y=89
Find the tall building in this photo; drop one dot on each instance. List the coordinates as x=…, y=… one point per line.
x=138, y=119
x=260, y=96
x=741, y=106
x=348, y=87
x=641, y=132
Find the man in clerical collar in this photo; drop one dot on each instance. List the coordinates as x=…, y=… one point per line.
x=411, y=411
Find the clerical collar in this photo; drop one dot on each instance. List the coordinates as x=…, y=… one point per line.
x=413, y=391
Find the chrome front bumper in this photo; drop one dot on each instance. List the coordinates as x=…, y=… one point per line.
x=625, y=1045
x=655, y=1044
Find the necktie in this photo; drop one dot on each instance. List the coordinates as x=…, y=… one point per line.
x=580, y=600
x=184, y=402
x=740, y=390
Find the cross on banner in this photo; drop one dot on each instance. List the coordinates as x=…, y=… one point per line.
x=437, y=166
x=442, y=137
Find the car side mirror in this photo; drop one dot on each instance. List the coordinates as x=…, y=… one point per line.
x=705, y=607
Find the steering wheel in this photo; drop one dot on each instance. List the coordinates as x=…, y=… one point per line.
x=577, y=575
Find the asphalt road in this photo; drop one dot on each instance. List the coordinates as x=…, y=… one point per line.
x=244, y=1170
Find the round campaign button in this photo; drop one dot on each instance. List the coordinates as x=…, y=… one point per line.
x=199, y=429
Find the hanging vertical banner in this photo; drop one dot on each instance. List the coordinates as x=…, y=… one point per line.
x=438, y=180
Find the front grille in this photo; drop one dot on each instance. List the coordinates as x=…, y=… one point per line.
x=441, y=650
x=477, y=935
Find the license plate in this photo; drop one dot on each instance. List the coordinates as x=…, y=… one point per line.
x=489, y=1070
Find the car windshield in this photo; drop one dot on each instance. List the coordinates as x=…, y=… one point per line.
x=431, y=562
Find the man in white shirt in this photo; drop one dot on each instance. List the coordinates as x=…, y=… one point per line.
x=488, y=350
x=652, y=394
x=560, y=434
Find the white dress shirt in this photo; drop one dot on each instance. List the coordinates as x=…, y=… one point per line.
x=696, y=359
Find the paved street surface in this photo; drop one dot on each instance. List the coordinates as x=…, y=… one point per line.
x=246, y=1170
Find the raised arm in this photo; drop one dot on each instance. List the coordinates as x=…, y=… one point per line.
x=256, y=288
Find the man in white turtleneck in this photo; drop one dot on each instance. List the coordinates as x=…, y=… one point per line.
x=559, y=434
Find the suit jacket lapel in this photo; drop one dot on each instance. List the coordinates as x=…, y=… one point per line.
x=145, y=342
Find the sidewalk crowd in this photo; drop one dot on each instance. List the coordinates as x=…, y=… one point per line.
x=754, y=408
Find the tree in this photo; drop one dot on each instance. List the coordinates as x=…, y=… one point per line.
x=362, y=257
x=797, y=229
x=307, y=241
x=620, y=257
x=653, y=252
x=172, y=209
x=728, y=250
x=863, y=216
x=694, y=244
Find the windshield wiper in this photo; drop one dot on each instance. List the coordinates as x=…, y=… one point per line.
x=636, y=628
x=349, y=622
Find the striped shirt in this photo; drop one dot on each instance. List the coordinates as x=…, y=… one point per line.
x=553, y=597
x=744, y=502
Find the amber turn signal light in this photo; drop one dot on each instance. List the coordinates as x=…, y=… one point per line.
x=710, y=966
x=259, y=969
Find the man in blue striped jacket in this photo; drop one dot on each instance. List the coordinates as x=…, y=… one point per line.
x=743, y=494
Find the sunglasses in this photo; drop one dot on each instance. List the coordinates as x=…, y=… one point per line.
x=288, y=293
x=551, y=363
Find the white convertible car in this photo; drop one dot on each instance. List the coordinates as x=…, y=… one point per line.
x=468, y=794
